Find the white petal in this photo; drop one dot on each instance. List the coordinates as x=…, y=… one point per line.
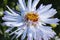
x=10, y=14
x=24, y=3
x=12, y=11
x=45, y=37
x=12, y=33
x=29, y=4
x=19, y=33
x=47, y=31
x=48, y=13
x=24, y=34
x=41, y=7
x=21, y=4
x=45, y=9
x=38, y=37
x=13, y=24
x=51, y=21
x=34, y=36
x=8, y=30
x=35, y=2
x=9, y=19
x=33, y=31
x=30, y=35
x=16, y=31
x=13, y=37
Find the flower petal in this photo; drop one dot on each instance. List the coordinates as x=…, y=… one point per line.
x=41, y=7
x=45, y=8
x=38, y=35
x=19, y=33
x=24, y=34
x=8, y=13
x=48, y=13
x=8, y=30
x=21, y=4
x=13, y=24
x=12, y=11
x=45, y=37
x=51, y=21
x=46, y=30
x=30, y=35
x=16, y=31
x=12, y=18
x=29, y=5
x=13, y=37
x=9, y=19
x=34, y=4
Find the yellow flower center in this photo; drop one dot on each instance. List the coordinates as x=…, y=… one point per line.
x=31, y=16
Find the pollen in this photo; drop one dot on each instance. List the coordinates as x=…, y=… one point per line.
x=32, y=17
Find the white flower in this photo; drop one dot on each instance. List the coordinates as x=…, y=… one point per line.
x=32, y=22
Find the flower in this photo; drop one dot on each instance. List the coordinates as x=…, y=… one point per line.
x=32, y=22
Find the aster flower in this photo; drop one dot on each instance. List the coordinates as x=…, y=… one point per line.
x=32, y=22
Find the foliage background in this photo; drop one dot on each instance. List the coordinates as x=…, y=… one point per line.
x=13, y=4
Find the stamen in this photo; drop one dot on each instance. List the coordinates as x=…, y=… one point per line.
x=32, y=17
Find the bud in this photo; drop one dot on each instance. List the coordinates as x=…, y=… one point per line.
x=1, y=11
x=53, y=25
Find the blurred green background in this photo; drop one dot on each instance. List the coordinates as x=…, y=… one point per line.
x=13, y=4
